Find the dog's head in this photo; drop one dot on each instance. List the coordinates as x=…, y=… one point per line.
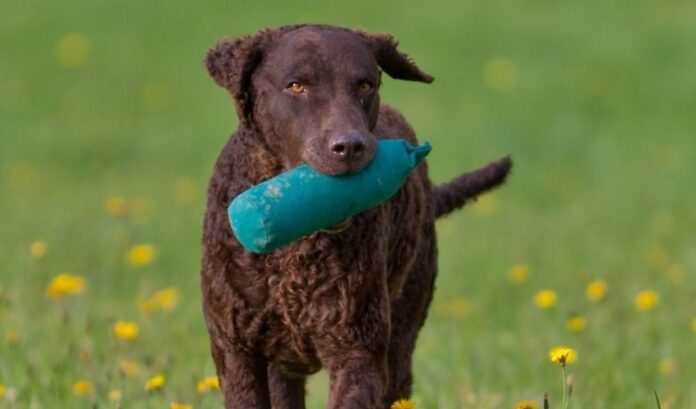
x=311, y=90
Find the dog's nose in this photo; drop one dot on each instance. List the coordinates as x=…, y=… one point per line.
x=348, y=145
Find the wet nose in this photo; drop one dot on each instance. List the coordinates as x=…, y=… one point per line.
x=347, y=146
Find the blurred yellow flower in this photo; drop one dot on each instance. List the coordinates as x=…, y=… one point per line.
x=126, y=330
x=693, y=324
x=657, y=256
x=65, y=284
x=486, y=205
x=176, y=405
x=519, y=273
x=165, y=300
x=500, y=74
x=647, y=300
x=576, y=323
x=82, y=387
x=563, y=355
x=403, y=404
x=72, y=50
x=675, y=274
x=155, y=383
x=115, y=205
x=596, y=290
x=525, y=404
x=2, y=391
x=12, y=337
x=115, y=395
x=129, y=368
x=667, y=366
x=545, y=299
x=209, y=383
x=141, y=255
x=185, y=190
x=38, y=248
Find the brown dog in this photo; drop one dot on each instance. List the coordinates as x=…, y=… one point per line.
x=350, y=299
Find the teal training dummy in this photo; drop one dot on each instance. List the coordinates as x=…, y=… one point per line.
x=302, y=200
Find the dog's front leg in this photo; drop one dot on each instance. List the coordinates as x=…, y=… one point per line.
x=357, y=381
x=243, y=378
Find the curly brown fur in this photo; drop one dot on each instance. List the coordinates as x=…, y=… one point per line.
x=352, y=299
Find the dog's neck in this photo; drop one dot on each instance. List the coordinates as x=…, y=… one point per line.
x=264, y=161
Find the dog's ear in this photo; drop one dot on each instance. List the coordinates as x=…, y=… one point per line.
x=395, y=63
x=231, y=64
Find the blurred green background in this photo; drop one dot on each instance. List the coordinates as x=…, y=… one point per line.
x=110, y=127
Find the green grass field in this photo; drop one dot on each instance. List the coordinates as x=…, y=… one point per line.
x=595, y=100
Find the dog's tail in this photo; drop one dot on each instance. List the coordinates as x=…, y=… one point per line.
x=457, y=192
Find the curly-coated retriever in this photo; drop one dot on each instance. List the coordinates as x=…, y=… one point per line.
x=351, y=298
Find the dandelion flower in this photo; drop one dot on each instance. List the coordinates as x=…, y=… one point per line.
x=155, y=383
x=115, y=205
x=519, y=273
x=115, y=395
x=667, y=366
x=72, y=50
x=12, y=337
x=693, y=324
x=209, y=383
x=126, y=331
x=576, y=323
x=38, y=248
x=65, y=284
x=2, y=391
x=563, y=355
x=82, y=387
x=545, y=299
x=141, y=255
x=129, y=368
x=657, y=257
x=165, y=300
x=525, y=404
x=403, y=404
x=177, y=405
x=647, y=300
x=596, y=290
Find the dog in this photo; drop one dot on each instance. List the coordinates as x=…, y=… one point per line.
x=352, y=298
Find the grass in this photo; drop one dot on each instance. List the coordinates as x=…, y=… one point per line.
x=594, y=100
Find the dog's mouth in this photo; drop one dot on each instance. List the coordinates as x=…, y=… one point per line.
x=339, y=227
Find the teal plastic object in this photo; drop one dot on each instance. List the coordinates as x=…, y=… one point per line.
x=302, y=200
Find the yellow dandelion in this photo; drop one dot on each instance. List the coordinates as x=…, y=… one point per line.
x=82, y=387
x=209, y=383
x=38, y=248
x=2, y=391
x=576, y=323
x=126, y=330
x=129, y=368
x=115, y=395
x=647, y=300
x=65, y=284
x=596, y=290
x=486, y=205
x=403, y=404
x=177, y=405
x=115, y=205
x=693, y=324
x=141, y=255
x=545, y=299
x=667, y=366
x=563, y=355
x=165, y=300
x=72, y=50
x=657, y=256
x=185, y=190
x=12, y=337
x=519, y=273
x=155, y=383
x=500, y=74
x=525, y=404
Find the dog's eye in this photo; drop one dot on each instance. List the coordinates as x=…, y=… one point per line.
x=364, y=87
x=296, y=88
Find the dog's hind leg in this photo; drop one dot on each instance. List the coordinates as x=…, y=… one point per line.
x=287, y=392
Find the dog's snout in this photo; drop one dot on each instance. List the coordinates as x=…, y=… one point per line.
x=347, y=146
